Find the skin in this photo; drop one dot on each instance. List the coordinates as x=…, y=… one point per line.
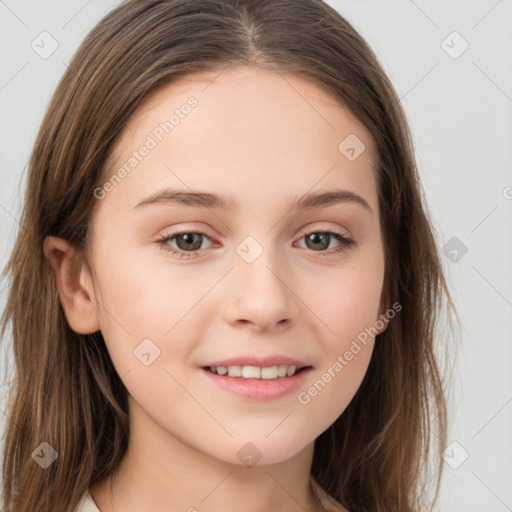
x=261, y=138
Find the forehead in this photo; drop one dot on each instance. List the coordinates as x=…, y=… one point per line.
x=250, y=129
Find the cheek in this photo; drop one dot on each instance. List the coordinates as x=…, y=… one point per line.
x=327, y=395
x=144, y=298
x=347, y=305
x=346, y=301
x=145, y=295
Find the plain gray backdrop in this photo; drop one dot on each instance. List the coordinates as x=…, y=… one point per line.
x=450, y=62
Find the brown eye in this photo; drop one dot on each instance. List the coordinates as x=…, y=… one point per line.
x=319, y=241
x=189, y=241
x=185, y=244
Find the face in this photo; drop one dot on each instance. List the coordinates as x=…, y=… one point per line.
x=252, y=273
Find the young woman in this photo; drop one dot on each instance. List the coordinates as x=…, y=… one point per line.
x=225, y=286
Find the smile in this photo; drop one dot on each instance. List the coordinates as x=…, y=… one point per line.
x=256, y=372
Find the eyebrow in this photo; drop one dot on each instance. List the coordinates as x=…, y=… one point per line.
x=219, y=201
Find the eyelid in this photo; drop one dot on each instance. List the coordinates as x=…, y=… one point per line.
x=181, y=230
x=319, y=228
x=304, y=232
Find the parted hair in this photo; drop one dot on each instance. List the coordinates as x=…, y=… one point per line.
x=379, y=453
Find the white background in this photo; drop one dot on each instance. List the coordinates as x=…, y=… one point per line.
x=460, y=111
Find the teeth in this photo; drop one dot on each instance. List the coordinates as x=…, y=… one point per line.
x=269, y=373
x=282, y=369
x=255, y=372
x=235, y=371
x=251, y=372
x=291, y=370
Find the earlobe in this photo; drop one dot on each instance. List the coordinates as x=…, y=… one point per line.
x=78, y=302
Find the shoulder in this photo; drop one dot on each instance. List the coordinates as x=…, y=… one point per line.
x=328, y=502
x=87, y=504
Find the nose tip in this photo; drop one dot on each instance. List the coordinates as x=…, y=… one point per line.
x=259, y=298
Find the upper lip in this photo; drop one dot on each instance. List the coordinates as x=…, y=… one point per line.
x=262, y=362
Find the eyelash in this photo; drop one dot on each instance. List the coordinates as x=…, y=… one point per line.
x=345, y=243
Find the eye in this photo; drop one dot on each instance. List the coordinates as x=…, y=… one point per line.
x=318, y=241
x=188, y=243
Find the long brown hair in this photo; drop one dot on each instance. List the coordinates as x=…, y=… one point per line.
x=66, y=391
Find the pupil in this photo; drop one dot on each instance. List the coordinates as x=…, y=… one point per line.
x=188, y=241
x=319, y=240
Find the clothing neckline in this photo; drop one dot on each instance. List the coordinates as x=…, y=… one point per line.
x=87, y=504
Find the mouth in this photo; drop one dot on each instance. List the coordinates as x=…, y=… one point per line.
x=258, y=383
x=257, y=372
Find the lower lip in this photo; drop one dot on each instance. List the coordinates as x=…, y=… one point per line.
x=259, y=389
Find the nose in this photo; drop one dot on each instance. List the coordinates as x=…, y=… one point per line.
x=260, y=297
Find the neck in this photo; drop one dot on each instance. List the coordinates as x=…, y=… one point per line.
x=160, y=472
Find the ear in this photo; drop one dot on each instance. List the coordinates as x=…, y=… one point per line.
x=77, y=300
